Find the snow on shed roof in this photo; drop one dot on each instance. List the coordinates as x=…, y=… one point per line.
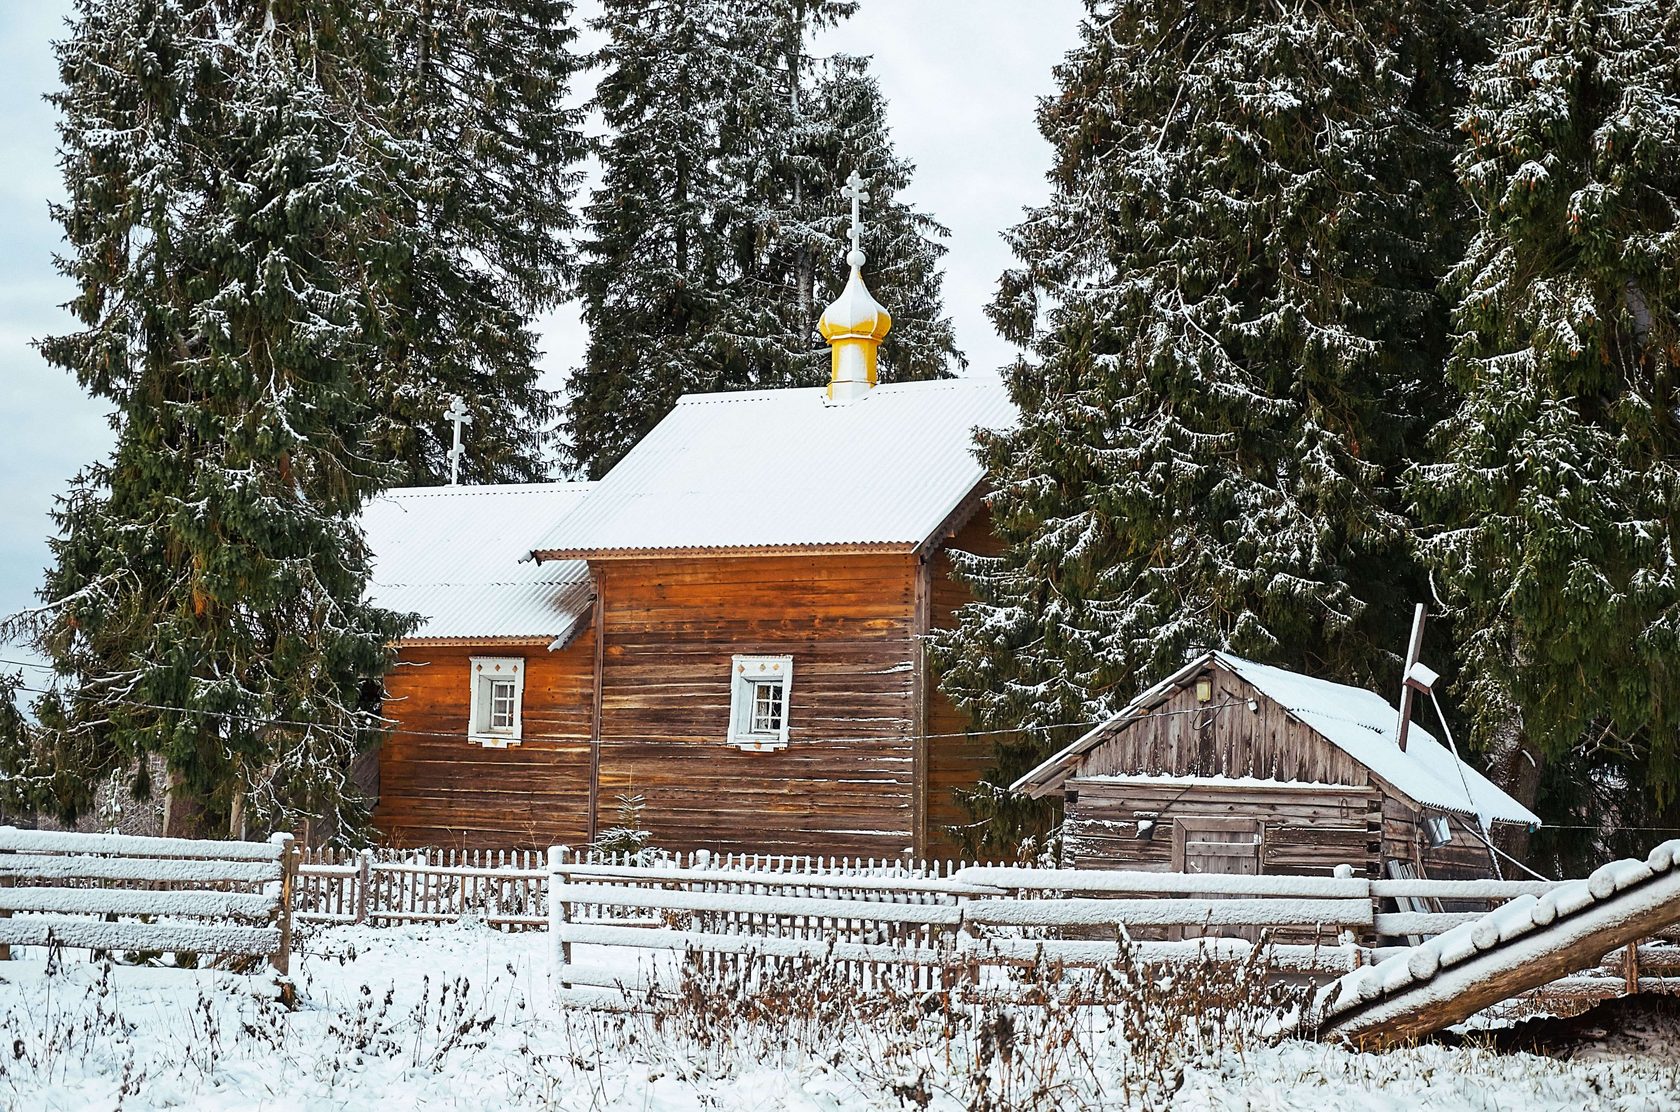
x=1360, y=723
x=788, y=469
x=453, y=555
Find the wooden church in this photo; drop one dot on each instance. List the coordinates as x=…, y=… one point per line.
x=728, y=627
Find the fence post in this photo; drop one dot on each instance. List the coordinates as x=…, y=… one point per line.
x=1346, y=936
x=364, y=876
x=559, y=913
x=6, y=882
x=1630, y=967
x=281, y=959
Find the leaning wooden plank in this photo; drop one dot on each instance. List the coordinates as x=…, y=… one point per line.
x=130, y=845
x=201, y=904
x=701, y=942
x=1322, y=960
x=1371, y=1009
x=148, y=869
x=1167, y=912
x=681, y=900
x=205, y=938
x=1094, y=880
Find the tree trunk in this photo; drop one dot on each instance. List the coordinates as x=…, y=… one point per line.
x=236, y=816
x=183, y=810
x=1516, y=763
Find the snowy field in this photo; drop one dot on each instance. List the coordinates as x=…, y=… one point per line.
x=460, y=1017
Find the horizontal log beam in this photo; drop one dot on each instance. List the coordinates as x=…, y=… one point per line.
x=255, y=906
x=129, y=845
x=143, y=870
x=94, y=934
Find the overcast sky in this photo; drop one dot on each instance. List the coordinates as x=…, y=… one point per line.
x=962, y=78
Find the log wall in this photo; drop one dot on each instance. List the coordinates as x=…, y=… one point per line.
x=875, y=754
x=1307, y=828
x=437, y=788
x=845, y=782
x=957, y=756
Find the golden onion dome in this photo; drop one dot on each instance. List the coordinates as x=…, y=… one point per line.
x=855, y=314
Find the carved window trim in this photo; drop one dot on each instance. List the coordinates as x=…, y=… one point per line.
x=760, y=698
x=488, y=720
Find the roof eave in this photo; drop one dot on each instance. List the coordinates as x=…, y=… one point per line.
x=510, y=639
x=886, y=548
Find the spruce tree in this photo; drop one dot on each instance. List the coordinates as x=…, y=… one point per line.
x=476, y=89
x=225, y=179
x=717, y=232
x=1229, y=302
x=1553, y=497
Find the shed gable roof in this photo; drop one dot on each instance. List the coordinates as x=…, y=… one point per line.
x=458, y=557
x=1360, y=723
x=787, y=470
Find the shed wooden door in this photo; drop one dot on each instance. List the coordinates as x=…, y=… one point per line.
x=1217, y=847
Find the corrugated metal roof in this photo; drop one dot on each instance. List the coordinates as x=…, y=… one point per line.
x=787, y=469
x=454, y=555
x=1361, y=723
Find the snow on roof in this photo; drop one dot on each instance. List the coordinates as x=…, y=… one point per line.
x=456, y=556
x=1358, y=722
x=788, y=469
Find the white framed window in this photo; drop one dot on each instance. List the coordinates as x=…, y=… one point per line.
x=498, y=692
x=760, y=687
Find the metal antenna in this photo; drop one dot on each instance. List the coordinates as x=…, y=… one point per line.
x=457, y=413
x=1414, y=649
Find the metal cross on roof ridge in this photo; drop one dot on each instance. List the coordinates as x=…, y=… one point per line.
x=854, y=189
x=457, y=413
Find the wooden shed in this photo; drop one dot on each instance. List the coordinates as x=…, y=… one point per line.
x=1228, y=766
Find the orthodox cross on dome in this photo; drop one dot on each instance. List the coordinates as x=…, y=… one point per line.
x=854, y=189
x=458, y=414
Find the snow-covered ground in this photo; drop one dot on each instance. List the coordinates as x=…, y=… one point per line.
x=461, y=1017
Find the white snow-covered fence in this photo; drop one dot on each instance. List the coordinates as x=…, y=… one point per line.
x=940, y=925
x=877, y=921
x=120, y=892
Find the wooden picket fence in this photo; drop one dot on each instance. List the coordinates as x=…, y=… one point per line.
x=508, y=889
x=505, y=889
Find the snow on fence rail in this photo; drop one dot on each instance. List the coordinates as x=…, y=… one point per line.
x=120, y=892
